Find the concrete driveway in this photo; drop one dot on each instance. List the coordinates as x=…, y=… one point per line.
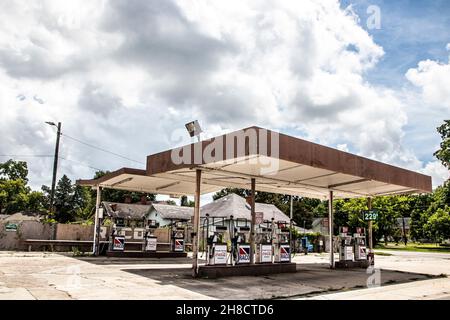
x=58, y=276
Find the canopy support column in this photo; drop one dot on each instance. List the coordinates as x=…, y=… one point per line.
x=252, y=225
x=196, y=223
x=331, y=227
x=291, y=216
x=371, y=254
x=95, y=246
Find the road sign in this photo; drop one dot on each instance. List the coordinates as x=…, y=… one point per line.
x=370, y=215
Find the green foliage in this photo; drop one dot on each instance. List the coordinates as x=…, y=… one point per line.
x=185, y=202
x=72, y=202
x=438, y=225
x=14, y=170
x=15, y=195
x=443, y=153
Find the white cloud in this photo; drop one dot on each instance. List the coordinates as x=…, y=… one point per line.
x=437, y=171
x=127, y=76
x=432, y=77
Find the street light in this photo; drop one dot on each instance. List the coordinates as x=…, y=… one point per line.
x=55, y=162
x=194, y=129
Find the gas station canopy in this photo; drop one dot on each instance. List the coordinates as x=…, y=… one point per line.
x=279, y=164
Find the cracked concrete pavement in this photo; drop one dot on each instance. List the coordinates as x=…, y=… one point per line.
x=38, y=275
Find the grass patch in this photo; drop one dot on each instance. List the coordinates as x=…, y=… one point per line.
x=414, y=247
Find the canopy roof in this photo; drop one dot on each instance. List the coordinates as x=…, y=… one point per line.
x=279, y=163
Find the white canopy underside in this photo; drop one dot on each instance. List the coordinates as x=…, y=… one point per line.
x=272, y=175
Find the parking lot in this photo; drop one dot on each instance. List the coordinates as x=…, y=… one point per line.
x=59, y=276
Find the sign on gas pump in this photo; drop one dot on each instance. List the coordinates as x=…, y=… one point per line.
x=266, y=253
x=244, y=253
x=119, y=243
x=259, y=217
x=220, y=254
x=179, y=245
x=285, y=253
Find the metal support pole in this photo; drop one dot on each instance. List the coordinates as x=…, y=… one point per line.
x=291, y=215
x=330, y=228
x=369, y=206
x=195, y=235
x=252, y=226
x=55, y=168
x=95, y=249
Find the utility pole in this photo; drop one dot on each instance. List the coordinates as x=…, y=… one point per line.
x=55, y=164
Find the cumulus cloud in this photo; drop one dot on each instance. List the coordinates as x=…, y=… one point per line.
x=127, y=76
x=432, y=77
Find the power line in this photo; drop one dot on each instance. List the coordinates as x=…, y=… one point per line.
x=80, y=163
x=101, y=149
x=26, y=155
x=48, y=156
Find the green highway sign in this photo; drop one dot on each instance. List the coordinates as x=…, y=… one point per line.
x=370, y=215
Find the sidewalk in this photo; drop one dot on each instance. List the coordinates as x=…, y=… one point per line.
x=418, y=290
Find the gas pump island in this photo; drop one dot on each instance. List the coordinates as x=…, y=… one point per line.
x=228, y=245
x=149, y=246
x=352, y=249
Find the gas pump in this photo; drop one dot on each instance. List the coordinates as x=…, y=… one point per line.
x=345, y=245
x=177, y=236
x=217, y=247
x=282, y=249
x=360, y=244
x=240, y=241
x=117, y=238
x=150, y=240
x=263, y=241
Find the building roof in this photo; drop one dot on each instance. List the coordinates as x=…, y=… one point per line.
x=132, y=211
x=23, y=216
x=237, y=206
x=167, y=211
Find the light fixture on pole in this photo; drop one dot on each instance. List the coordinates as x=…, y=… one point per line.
x=55, y=162
x=194, y=129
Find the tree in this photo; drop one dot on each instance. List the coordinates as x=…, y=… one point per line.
x=64, y=196
x=419, y=215
x=14, y=170
x=438, y=225
x=13, y=196
x=443, y=153
x=185, y=202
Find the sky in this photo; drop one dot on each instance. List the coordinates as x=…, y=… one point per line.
x=369, y=77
